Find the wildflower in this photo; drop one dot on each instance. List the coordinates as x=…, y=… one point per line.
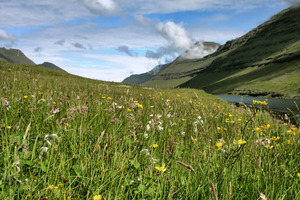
x=160, y=128
x=146, y=135
x=240, y=142
x=68, y=125
x=129, y=110
x=108, y=98
x=153, y=146
x=140, y=105
x=258, y=129
x=289, y=142
x=263, y=140
x=275, y=138
x=32, y=96
x=153, y=160
x=146, y=152
x=269, y=147
x=219, y=144
x=25, y=97
x=148, y=127
x=44, y=149
x=298, y=174
x=69, y=197
x=8, y=127
x=162, y=168
x=97, y=197
x=266, y=127
x=291, y=132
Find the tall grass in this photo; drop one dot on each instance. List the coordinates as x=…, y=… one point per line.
x=65, y=137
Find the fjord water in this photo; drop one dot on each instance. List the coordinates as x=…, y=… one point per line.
x=288, y=106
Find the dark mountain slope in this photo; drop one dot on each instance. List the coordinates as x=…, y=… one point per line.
x=14, y=56
x=51, y=66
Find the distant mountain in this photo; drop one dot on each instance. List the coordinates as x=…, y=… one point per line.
x=51, y=66
x=14, y=56
x=265, y=61
x=141, y=78
x=199, y=49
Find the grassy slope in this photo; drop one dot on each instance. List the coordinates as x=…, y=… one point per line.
x=14, y=56
x=277, y=40
x=98, y=137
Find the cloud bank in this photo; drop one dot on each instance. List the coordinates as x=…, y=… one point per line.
x=7, y=39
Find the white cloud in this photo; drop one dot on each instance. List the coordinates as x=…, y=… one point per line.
x=143, y=20
x=6, y=37
x=175, y=34
x=101, y=7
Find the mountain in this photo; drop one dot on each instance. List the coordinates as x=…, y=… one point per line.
x=199, y=49
x=51, y=66
x=265, y=61
x=141, y=78
x=14, y=56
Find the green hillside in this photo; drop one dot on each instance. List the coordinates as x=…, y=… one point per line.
x=177, y=72
x=68, y=137
x=265, y=61
x=14, y=56
x=51, y=66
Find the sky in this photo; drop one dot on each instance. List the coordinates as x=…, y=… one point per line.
x=111, y=39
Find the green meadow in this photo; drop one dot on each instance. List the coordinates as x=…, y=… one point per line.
x=67, y=137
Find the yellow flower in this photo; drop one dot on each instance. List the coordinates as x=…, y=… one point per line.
x=32, y=96
x=298, y=174
x=129, y=110
x=162, y=168
x=258, y=129
x=25, y=97
x=291, y=132
x=97, y=197
x=219, y=144
x=108, y=98
x=153, y=146
x=8, y=127
x=69, y=197
x=266, y=127
x=255, y=102
x=68, y=125
x=289, y=142
x=269, y=147
x=240, y=142
x=140, y=105
x=275, y=138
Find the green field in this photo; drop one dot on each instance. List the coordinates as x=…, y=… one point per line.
x=67, y=137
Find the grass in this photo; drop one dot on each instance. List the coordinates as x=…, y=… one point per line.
x=66, y=137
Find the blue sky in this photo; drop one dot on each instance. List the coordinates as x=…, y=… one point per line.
x=111, y=39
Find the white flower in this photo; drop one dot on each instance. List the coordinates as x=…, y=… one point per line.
x=148, y=127
x=160, y=128
x=221, y=140
x=153, y=160
x=45, y=149
x=169, y=115
x=146, y=135
x=147, y=152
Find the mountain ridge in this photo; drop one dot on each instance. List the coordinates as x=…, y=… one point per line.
x=266, y=52
x=189, y=54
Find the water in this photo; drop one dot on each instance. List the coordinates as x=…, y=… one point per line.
x=282, y=106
